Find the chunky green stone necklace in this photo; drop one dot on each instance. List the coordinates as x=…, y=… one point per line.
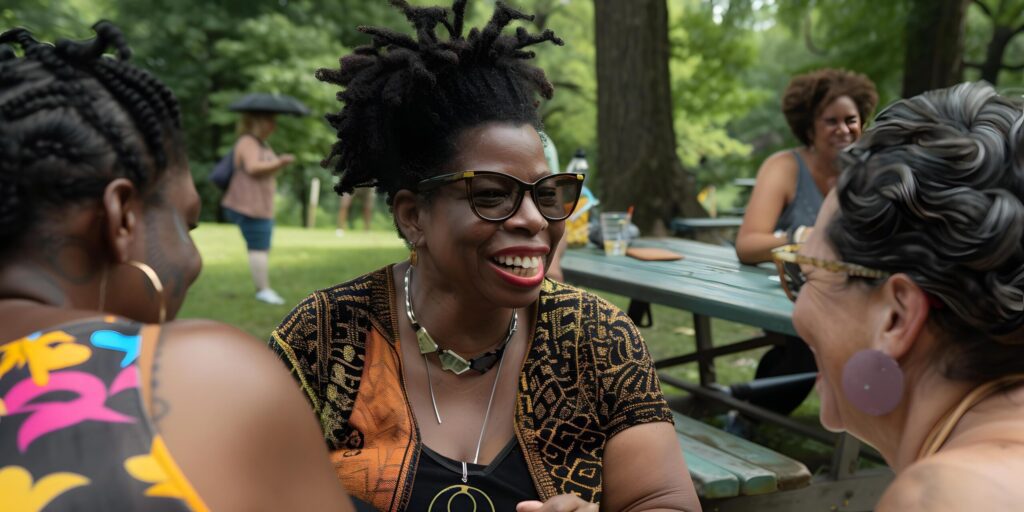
x=450, y=361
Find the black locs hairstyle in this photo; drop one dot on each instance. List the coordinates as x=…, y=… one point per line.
x=72, y=120
x=407, y=99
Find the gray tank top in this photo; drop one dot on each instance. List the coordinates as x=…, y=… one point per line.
x=803, y=210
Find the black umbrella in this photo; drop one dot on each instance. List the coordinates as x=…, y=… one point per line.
x=270, y=103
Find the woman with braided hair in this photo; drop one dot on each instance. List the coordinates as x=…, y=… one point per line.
x=106, y=401
x=462, y=379
x=910, y=292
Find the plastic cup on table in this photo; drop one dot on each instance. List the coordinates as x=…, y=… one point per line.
x=615, y=233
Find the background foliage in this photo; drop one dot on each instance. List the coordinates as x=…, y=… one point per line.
x=730, y=61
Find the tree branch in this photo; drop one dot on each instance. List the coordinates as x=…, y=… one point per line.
x=1012, y=67
x=981, y=5
x=973, y=65
x=808, y=41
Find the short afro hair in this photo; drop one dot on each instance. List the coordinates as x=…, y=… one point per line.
x=807, y=94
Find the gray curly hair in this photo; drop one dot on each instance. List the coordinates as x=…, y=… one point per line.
x=934, y=190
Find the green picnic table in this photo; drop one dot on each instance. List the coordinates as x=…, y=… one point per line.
x=730, y=473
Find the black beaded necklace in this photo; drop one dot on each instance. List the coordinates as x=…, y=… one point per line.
x=450, y=361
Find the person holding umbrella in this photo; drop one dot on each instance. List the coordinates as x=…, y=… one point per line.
x=249, y=200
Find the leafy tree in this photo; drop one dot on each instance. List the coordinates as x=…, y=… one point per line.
x=713, y=45
x=1005, y=21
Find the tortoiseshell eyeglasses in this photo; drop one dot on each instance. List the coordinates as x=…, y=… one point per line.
x=788, y=260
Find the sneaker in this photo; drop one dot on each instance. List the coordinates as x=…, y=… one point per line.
x=269, y=296
x=339, y=232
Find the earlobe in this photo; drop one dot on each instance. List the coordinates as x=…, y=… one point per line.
x=119, y=223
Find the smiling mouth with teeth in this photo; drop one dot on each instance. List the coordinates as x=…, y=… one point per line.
x=522, y=266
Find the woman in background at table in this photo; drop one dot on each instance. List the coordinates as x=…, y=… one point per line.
x=825, y=110
x=911, y=294
x=106, y=401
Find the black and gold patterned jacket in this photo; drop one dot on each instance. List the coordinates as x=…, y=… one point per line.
x=587, y=376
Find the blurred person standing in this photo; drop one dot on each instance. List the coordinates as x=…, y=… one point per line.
x=249, y=200
x=367, y=196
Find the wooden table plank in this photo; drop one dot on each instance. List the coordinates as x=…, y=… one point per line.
x=708, y=281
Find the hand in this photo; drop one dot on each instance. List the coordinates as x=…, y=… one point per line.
x=560, y=503
x=802, y=234
x=286, y=159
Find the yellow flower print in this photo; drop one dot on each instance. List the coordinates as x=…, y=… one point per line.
x=43, y=353
x=18, y=494
x=158, y=468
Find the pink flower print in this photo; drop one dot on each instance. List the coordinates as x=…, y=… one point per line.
x=43, y=353
x=49, y=417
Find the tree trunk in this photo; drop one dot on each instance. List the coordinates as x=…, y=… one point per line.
x=1001, y=37
x=637, y=161
x=935, y=41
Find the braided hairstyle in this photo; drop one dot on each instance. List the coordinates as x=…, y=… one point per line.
x=72, y=120
x=407, y=99
x=935, y=190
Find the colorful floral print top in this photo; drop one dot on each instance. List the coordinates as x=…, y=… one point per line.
x=74, y=434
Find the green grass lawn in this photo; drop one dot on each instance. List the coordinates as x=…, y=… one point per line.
x=305, y=260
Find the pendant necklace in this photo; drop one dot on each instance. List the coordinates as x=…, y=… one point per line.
x=499, y=356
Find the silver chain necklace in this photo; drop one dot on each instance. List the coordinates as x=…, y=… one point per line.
x=430, y=385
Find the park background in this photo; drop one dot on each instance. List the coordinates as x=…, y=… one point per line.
x=667, y=97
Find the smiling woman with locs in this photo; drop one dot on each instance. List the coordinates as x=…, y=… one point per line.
x=462, y=379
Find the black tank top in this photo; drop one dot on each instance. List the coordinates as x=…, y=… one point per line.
x=438, y=486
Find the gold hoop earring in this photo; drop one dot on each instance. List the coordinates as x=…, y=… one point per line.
x=154, y=280
x=413, y=259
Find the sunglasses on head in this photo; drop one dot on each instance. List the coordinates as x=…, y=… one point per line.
x=496, y=196
x=788, y=260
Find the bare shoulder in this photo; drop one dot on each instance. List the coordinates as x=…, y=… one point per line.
x=221, y=393
x=230, y=361
x=780, y=165
x=245, y=143
x=953, y=483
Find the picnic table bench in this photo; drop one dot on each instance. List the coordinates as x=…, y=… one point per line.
x=731, y=474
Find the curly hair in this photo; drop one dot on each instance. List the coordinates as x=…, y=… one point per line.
x=72, y=120
x=934, y=190
x=806, y=95
x=407, y=99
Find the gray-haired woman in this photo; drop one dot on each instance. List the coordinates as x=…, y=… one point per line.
x=910, y=291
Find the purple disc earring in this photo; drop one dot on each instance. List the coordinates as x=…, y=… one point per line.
x=873, y=382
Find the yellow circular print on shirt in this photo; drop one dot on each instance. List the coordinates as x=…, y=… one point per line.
x=461, y=497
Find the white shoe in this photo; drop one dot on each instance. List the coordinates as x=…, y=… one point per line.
x=269, y=296
x=339, y=232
